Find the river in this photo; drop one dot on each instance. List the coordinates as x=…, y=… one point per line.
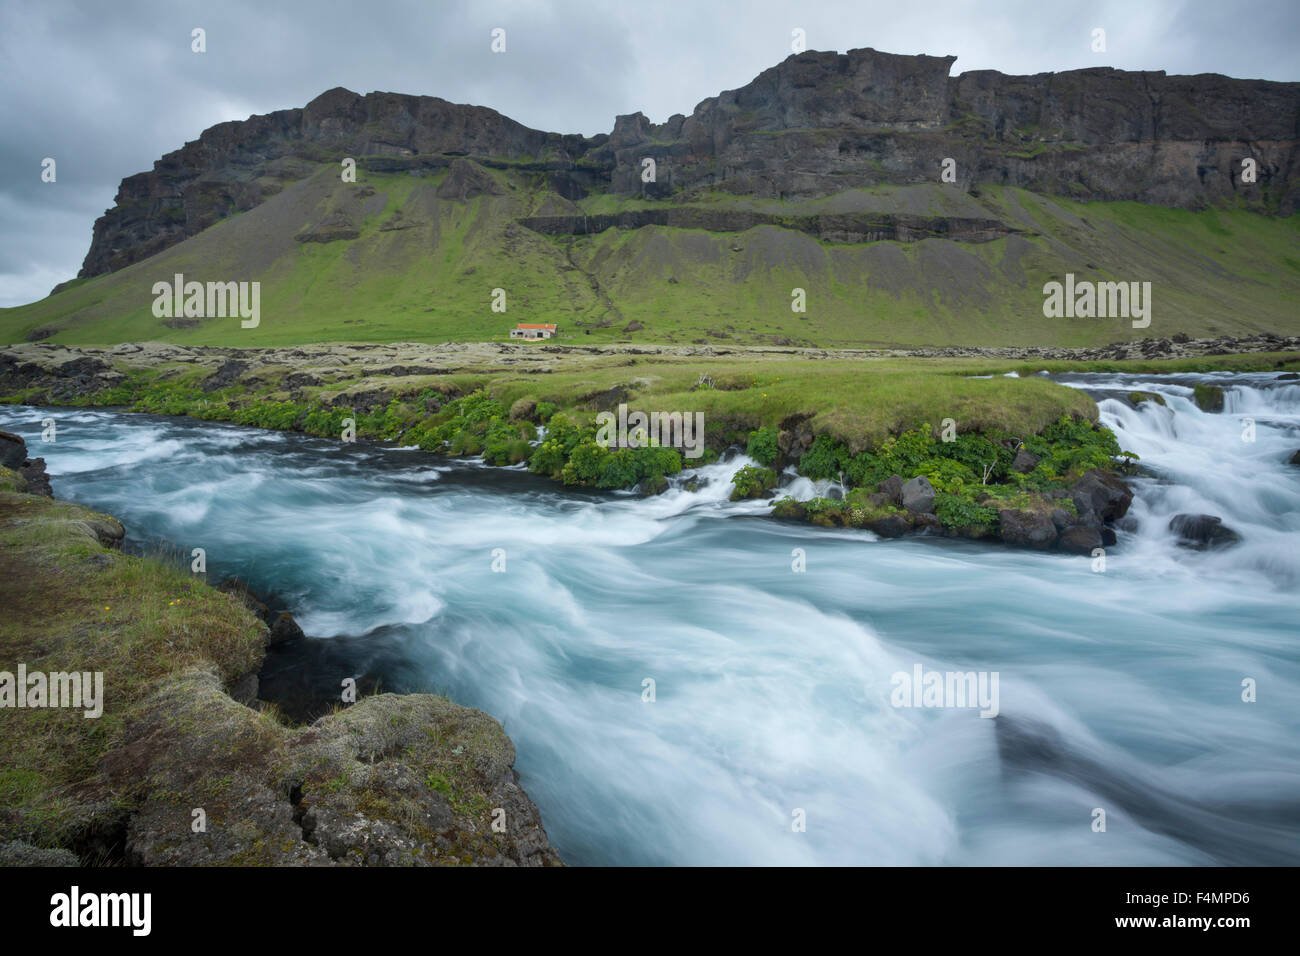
x=1119, y=689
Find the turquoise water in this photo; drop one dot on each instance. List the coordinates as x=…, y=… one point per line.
x=1119, y=690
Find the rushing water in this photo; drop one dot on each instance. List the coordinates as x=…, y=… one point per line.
x=1119, y=690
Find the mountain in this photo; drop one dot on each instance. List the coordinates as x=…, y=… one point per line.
x=821, y=174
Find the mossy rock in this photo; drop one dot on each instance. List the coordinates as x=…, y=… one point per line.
x=1208, y=398
x=1137, y=398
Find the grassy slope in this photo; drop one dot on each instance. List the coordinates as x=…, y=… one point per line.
x=1222, y=271
x=72, y=606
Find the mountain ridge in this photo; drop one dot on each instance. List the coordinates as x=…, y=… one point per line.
x=809, y=127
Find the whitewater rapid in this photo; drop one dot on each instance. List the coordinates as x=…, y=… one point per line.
x=1119, y=690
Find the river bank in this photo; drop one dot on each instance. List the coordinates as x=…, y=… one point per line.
x=917, y=444
x=184, y=765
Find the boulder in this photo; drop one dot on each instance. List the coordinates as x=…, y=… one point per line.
x=1208, y=398
x=927, y=523
x=918, y=495
x=1080, y=539
x=890, y=526
x=1202, y=532
x=13, y=450
x=1062, y=518
x=1033, y=529
x=1101, y=494
x=108, y=531
x=1294, y=459
x=1024, y=462
x=892, y=489
x=283, y=628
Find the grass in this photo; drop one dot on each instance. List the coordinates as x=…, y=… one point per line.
x=1219, y=271
x=72, y=606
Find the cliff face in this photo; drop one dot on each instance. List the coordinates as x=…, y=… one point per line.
x=812, y=126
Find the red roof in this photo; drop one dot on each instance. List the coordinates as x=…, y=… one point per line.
x=535, y=325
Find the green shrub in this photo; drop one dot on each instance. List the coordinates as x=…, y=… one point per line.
x=961, y=511
x=825, y=459
x=751, y=482
x=763, y=446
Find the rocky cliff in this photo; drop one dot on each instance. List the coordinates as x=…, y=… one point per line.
x=812, y=126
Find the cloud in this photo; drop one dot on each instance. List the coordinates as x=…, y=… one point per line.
x=106, y=89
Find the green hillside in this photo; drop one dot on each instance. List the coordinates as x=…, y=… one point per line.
x=423, y=269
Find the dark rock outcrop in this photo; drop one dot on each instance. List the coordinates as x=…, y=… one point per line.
x=1202, y=532
x=814, y=125
x=13, y=455
x=1080, y=539
x=1101, y=496
x=1032, y=529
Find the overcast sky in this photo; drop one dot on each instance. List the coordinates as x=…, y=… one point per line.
x=105, y=88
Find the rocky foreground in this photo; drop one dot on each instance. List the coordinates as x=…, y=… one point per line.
x=186, y=766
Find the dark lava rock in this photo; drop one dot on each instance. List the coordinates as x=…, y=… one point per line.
x=13, y=450
x=1025, y=462
x=890, y=526
x=1029, y=528
x=13, y=455
x=38, y=482
x=927, y=524
x=892, y=489
x=1289, y=377
x=1294, y=459
x=918, y=495
x=225, y=376
x=1080, y=539
x=1101, y=494
x=795, y=437
x=1202, y=532
x=283, y=628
